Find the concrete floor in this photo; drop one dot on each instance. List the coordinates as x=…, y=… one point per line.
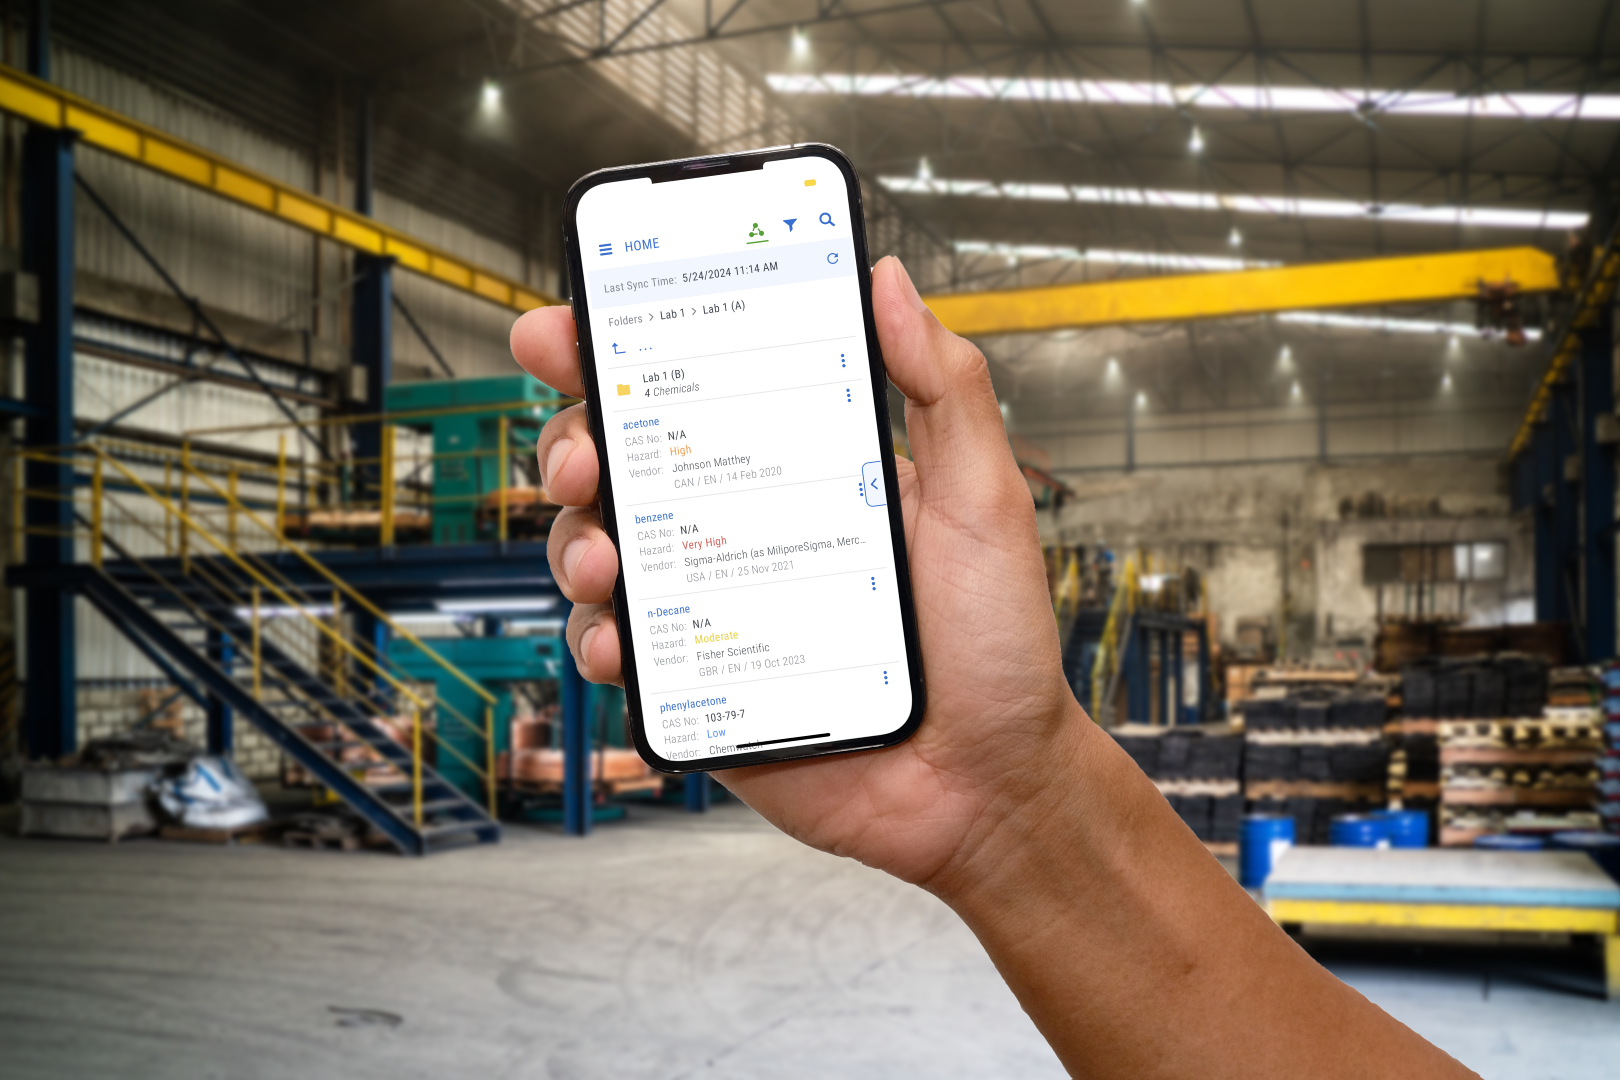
x=663, y=947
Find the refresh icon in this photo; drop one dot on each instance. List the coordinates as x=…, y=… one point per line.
x=832, y=258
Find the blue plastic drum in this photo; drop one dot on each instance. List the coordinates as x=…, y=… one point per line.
x=1358, y=830
x=1509, y=842
x=1263, y=840
x=1603, y=847
x=1407, y=828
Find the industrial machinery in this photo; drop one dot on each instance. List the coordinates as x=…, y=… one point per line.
x=476, y=425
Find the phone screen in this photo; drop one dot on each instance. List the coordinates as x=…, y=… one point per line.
x=763, y=605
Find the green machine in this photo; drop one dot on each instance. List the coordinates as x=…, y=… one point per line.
x=466, y=460
x=495, y=663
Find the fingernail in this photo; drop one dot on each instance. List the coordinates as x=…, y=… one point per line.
x=585, y=640
x=572, y=554
x=911, y=289
x=554, y=460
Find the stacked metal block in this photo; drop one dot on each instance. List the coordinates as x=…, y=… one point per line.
x=1609, y=763
x=1198, y=772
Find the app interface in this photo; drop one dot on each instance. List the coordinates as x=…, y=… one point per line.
x=734, y=387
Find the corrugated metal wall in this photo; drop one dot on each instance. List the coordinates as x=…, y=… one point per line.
x=244, y=263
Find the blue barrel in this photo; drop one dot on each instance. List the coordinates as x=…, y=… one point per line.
x=1407, y=828
x=1358, y=830
x=1264, y=838
x=1509, y=842
x=1603, y=847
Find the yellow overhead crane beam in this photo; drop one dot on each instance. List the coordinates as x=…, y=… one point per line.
x=42, y=103
x=1405, y=279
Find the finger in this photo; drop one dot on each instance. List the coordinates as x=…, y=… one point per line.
x=545, y=344
x=582, y=557
x=567, y=453
x=594, y=638
x=953, y=423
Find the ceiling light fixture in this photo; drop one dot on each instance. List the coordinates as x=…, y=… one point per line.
x=490, y=99
x=483, y=607
x=1445, y=383
x=1235, y=238
x=925, y=171
x=1156, y=260
x=1141, y=399
x=1196, y=143
x=801, y=43
x=1230, y=97
x=1275, y=207
x=1112, y=370
x=1293, y=391
x=1285, y=358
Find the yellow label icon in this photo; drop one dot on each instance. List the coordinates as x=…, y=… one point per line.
x=624, y=389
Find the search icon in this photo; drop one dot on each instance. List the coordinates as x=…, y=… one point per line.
x=826, y=219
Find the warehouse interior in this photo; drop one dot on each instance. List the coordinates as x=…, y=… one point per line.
x=1302, y=322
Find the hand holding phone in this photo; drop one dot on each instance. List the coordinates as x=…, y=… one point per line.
x=999, y=713
x=736, y=397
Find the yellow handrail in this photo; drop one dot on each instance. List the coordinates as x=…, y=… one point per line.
x=343, y=586
x=275, y=589
x=1123, y=606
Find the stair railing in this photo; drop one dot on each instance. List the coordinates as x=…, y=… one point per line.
x=1111, y=647
x=267, y=578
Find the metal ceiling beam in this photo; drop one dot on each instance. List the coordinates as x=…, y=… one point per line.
x=1404, y=280
x=49, y=106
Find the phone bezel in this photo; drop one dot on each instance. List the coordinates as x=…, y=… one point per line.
x=695, y=168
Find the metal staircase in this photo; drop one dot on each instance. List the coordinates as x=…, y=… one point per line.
x=232, y=630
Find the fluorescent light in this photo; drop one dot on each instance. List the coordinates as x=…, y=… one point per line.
x=484, y=607
x=553, y=625
x=1350, y=101
x=1389, y=326
x=279, y=611
x=1279, y=206
x=417, y=618
x=1157, y=260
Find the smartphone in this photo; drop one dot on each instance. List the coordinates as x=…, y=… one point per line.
x=739, y=404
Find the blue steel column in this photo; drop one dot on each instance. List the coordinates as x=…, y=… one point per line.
x=697, y=792
x=373, y=318
x=1566, y=512
x=50, y=717
x=576, y=746
x=1177, y=658
x=1547, y=478
x=221, y=738
x=1597, y=488
x=1138, y=690
x=1206, y=707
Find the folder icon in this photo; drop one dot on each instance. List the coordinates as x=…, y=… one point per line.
x=624, y=389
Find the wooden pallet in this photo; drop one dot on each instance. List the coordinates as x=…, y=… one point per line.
x=1312, y=789
x=242, y=834
x=298, y=838
x=1511, y=796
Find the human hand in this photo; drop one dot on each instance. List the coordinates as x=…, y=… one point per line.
x=997, y=703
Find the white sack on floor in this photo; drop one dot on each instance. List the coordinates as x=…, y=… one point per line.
x=211, y=794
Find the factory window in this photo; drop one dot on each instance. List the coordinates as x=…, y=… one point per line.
x=1410, y=564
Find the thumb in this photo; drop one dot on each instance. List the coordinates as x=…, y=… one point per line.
x=953, y=422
